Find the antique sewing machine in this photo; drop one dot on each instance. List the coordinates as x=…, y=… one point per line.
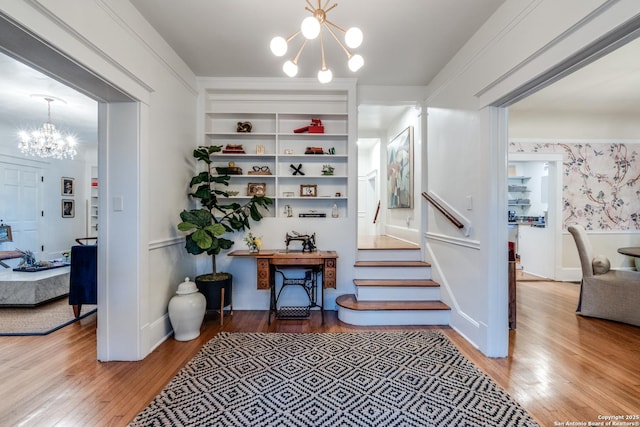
x=308, y=241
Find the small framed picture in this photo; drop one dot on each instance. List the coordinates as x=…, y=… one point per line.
x=308, y=190
x=288, y=194
x=258, y=189
x=68, y=208
x=67, y=186
x=5, y=233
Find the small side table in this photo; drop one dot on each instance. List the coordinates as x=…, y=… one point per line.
x=270, y=260
x=632, y=251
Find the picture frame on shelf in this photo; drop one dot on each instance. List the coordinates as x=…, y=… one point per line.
x=258, y=189
x=308, y=190
x=400, y=170
x=68, y=208
x=288, y=194
x=67, y=186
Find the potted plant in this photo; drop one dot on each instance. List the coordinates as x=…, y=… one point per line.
x=208, y=225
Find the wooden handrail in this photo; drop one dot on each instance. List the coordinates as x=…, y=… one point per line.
x=375, y=217
x=443, y=211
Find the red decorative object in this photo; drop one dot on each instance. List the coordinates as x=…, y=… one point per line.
x=315, y=127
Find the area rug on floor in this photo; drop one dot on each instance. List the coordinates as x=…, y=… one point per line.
x=40, y=320
x=415, y=378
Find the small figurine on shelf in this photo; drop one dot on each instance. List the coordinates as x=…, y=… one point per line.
x=244, y=127
x=327, y=170
x=253, y=243
x=315, y=127
x=297, y=170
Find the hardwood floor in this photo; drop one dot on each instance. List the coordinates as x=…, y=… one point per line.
x=384, y=242
x=562, y=367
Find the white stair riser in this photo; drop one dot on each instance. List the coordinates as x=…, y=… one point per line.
x=397, y=255
x=397, y=293
x=392, y=273
x=393, y=317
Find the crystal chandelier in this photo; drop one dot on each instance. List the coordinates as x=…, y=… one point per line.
x=311, y=28
x=47, y=141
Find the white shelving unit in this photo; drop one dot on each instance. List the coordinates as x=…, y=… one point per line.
x=518, y=191
x=93, y=204
x=273, y=143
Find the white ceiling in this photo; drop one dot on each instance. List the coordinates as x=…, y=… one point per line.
x=75, y=114
x=405, y=42
x=404, y=45
x=610, y=85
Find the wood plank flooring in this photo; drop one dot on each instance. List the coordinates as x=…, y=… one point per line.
x=561, y=367
x=384, y=242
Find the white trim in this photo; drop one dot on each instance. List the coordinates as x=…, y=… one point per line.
x=467, y=243
x=164, y=243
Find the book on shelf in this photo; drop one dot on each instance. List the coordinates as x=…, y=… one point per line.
x=312, y=215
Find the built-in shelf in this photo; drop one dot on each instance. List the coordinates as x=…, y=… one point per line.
x=272, y=143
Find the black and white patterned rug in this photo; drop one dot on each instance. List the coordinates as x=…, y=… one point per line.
x=415, y=378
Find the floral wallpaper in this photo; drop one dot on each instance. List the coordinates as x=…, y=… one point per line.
x=600, y=186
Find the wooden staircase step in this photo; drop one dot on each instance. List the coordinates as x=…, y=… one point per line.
x=404, y=248
x=421, y=264
x=418, y=283
x=349, y=301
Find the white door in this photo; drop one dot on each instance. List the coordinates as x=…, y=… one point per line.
x=22, y=205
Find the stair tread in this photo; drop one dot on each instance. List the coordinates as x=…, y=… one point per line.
x=349, y=301
x=408, y=248
x=397, y=282
x=392, y=264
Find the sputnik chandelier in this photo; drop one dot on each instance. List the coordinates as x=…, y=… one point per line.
x=47, y=141
x=311, y=28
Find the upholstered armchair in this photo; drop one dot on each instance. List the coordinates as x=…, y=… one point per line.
x=83, y=277
x=605, y=293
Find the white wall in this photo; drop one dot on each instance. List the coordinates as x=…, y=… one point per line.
x=467, y=146
x=572, y=125
x=581, y=128
x=403, y=223
x=57, y=234
x=111, y=39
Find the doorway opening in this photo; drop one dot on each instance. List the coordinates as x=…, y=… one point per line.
x=378, y=226
x=117, y=116
x=580, y=125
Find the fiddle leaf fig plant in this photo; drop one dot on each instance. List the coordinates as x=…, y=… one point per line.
x=208, y=225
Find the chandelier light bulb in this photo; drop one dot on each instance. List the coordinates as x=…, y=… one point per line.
x=325, y=76
x=278, y=46
x=316, y=26
x=353, y=37
x=310, y=27
x=290, y=69
x=356, y=62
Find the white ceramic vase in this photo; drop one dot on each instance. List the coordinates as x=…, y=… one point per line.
x=186, y=311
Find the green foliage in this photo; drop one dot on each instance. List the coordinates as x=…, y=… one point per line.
x=207, y=226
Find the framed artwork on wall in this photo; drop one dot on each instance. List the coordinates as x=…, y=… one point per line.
x=5, y=233
x=68, y=208
x=68, y=186
x=400, y=170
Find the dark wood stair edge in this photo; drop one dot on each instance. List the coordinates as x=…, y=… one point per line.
x=421, y=264
x=417, y=283
x=349, y=301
